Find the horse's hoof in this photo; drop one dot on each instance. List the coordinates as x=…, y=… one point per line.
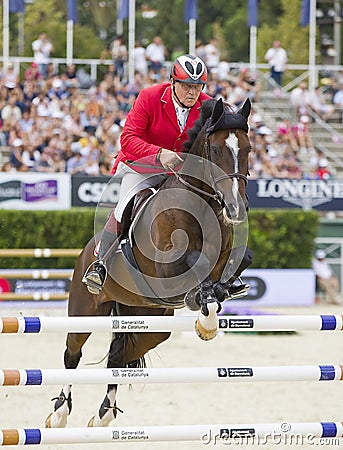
x=55, y=421
x=91, y=422
x=205, y=335
x=48, y=421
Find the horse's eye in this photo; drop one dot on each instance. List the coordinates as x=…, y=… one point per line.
x=215, y=149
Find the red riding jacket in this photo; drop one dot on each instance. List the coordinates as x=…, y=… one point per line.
x=152, y=124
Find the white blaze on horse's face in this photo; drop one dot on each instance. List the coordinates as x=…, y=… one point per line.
x=231, y=143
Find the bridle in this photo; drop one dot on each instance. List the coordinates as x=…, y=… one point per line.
x=218, y=196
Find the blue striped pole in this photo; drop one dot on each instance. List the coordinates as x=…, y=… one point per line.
x=204, y=434
x=21, y=325
x=223, y=374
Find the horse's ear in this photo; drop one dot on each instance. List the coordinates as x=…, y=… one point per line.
x=217, y=111
x=246, y=109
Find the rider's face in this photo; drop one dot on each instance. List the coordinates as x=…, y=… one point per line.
x=187, y=93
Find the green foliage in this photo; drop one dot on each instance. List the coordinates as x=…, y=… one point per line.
x=44, y=229
x=225, y=19
x=282, y=238
x=286, y=29
x=279, y=238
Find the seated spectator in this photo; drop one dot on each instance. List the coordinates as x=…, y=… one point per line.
x=58, y=163
x=318, y=104
x=11, y=110
x=57, y=90
x=77, y=163
x=136, y=85
x=32, y=73
x=326, y=280
x=93, y=112
x=323, y=171
x=125, y=98
x=302, y=134
x=300, y=98
x=338, y=96
x=16, y=155
x=45, y=164
x=31, y=157
x=285, y=134
x=71, y=76
x=9, y=77
x=250, y=83
x=294, y=170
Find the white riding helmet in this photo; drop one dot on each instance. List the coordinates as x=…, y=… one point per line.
x=189, y=69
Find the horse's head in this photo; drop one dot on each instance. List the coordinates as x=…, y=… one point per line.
x=224, y=143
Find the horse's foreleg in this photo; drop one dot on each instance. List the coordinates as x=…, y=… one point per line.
x=206, y=325
x=63, y=403
x=127, y=349
x=108, y=408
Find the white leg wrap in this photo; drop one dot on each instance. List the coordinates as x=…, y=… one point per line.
x=108, y=416
x=209, y=322
x=206, y=327
x=58, y=419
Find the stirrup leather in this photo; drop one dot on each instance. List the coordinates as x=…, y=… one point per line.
x=93, y=279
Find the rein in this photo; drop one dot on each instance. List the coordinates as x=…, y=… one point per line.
x=218, y=195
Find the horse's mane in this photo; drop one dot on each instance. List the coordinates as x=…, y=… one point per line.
x=205, y=113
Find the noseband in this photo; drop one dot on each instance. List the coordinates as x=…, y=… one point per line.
x=218, y=195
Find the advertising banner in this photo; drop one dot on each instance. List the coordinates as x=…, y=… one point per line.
x=35, y=283
x=89, y=191
x=277, y=287
x=325, y=195
x=32, y=190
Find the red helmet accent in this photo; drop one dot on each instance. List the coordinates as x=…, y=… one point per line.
x=189, y=69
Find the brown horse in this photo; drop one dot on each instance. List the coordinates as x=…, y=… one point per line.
x=181, y=241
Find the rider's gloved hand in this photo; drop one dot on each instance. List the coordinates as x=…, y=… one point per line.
x=168, y=158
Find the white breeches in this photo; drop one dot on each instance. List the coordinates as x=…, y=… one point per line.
x=133, y=182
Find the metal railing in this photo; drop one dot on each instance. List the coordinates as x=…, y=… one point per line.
x=294, y=74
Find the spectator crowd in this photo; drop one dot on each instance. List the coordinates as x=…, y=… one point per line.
x=63, y=122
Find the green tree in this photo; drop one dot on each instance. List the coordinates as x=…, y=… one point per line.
x=287, y=29
x=224, y=19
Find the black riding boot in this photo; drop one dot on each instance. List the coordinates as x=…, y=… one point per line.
x=95, y=279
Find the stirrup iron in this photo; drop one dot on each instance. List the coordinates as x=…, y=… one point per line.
x=93, y=278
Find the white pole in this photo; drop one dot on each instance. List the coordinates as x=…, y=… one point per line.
x=222, y=374
x=20, y=33
x=132, y=23
x=70, y=34
x=144, y=324
x=5, y=32
x=119, y=26
x=253, y=44
x=203, y=434
x=337, y=32
x=192, y=35
x=312, y=46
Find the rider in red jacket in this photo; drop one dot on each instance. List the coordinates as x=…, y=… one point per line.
x=154, y=132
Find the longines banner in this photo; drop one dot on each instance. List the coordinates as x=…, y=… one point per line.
x=325, y=195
